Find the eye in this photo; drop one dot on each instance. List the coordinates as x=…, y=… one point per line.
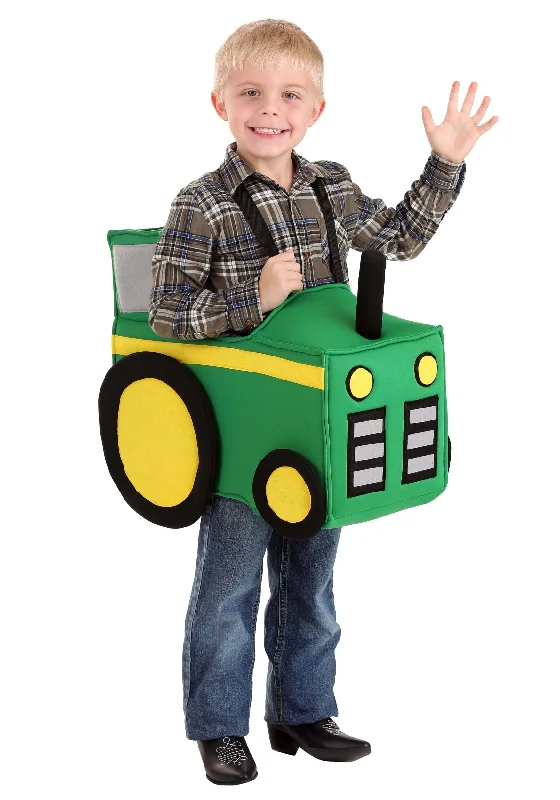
x=255, y=90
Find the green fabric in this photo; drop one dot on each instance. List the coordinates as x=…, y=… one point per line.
x=256, y=413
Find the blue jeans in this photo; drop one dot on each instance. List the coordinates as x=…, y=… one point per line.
x=301, y=631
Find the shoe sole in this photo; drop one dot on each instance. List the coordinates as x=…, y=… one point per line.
x=338, y=755
x=331, y=755
x=232, y=783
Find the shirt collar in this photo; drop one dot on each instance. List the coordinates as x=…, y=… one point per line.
x=234, y=170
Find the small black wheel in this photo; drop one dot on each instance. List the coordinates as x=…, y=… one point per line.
x=289, y=495
x=159, y=437
x=448, y=452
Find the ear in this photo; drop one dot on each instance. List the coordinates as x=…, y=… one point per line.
x=317, y=111
x=220, y=107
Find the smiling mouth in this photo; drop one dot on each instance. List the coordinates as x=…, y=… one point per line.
x=259, y=133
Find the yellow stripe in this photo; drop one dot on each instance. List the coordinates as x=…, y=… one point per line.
x=228, y=357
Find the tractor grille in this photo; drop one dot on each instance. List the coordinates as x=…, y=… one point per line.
x=420, y=440
x=366, y=452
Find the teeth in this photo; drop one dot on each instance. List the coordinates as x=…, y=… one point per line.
x=268, y=130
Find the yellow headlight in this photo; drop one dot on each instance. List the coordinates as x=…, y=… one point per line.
x=359, y=382
x=425, y=369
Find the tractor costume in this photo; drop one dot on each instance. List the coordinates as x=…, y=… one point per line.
x=179, y=420
x=328, y=413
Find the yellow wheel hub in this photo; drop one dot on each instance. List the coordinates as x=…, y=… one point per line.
x=288, y=494
x=157, y=442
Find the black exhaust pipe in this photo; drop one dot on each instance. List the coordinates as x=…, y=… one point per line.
x=371, y=283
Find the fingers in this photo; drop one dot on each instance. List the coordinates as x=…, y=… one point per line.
x=487, y=125
x=453, y=97
x=469, y=98
x=482, y=109
x=287, y=260
x=288, y=256
x=468, y=103
x=453, y=104
x=427, y=119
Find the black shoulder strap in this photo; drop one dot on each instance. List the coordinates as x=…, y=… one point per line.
x=336, y=268
x=255, y=220
x=261, y=231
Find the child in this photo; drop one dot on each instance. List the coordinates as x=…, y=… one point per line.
x=212, y=277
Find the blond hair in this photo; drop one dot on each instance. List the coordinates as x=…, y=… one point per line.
x=269, y=43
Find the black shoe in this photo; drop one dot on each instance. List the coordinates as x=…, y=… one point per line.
x=227, y=760
x=323, y=740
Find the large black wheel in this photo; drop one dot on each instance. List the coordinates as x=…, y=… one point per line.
x=159, y=437
x=289, y=495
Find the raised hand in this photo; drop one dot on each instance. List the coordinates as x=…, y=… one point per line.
x=458, y=133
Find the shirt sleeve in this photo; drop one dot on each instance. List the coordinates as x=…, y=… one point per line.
x=180, y=307
x=403, y=232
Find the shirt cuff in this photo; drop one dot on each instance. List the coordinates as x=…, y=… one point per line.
x=443, y=175
x=243, y=305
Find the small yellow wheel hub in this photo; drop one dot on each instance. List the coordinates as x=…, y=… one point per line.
x=288, y=494
x=157, y=442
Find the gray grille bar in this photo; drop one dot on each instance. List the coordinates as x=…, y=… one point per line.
x=365, y=457
x=420, y=439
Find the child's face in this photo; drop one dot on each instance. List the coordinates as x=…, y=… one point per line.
x=268, y=99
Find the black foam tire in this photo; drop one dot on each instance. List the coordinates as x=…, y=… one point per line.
x=180, y=378
x=313, y=522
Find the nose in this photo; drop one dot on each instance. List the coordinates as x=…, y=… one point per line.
x=268, y=105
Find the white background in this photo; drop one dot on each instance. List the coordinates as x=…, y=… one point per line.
x=449, y=657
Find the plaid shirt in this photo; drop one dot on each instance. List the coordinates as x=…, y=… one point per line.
x=207, y=262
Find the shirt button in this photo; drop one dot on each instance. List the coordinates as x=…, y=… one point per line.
x=250, y=322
